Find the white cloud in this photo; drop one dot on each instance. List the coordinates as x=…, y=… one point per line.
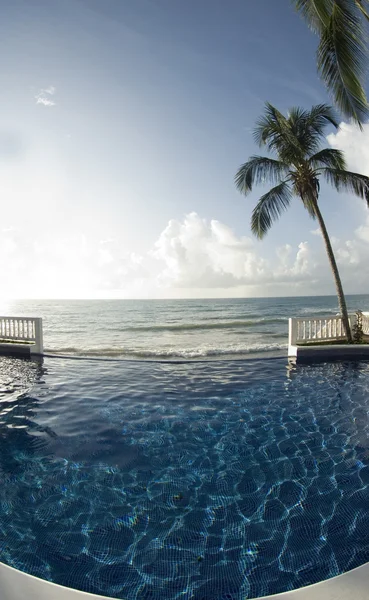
x=50, y=90
x=43, y=96
x=355, y=144
x=201, y=254
x=362, y=232
x=45, y=101
x=192, y=257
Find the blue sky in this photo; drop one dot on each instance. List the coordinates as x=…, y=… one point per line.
x=119, y=117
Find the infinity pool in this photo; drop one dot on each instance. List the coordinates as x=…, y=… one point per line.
x=209, y=481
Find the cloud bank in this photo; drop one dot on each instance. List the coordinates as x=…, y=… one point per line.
x=192, y=257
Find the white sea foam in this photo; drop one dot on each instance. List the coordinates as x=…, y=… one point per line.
x=163, y=353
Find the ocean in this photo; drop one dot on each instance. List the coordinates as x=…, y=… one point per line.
x=173, y=329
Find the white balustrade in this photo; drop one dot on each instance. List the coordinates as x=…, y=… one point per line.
x=26, y=330
x=365, y=322
x=309, y=329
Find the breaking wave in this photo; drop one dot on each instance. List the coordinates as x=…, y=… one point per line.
x=167, y=353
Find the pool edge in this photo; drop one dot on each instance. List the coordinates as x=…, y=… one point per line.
x=17, y=585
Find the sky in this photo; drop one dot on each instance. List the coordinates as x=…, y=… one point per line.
x=122, y=126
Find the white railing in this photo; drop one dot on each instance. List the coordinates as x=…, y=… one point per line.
x=365, y=322
x=309, y=329
x=23, y=330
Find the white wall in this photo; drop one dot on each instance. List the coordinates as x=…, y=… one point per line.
x=15, y=585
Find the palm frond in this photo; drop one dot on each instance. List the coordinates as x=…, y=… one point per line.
x=328, y=157
x=259, y=169
x=269, y=208
x=320, y=116
x=359, y=4
x=342, y=56
x=342, y=52
x=270, y=127
x=315, y=12
x=346, y=181
x=308, y=126
x=274, y=131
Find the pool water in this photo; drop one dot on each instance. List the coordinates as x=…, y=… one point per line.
x=211, y=481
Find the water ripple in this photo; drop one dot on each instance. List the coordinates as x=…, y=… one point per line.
x=221, y=481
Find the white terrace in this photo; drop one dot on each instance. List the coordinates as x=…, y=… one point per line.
x=21, y=335
x=311, y=337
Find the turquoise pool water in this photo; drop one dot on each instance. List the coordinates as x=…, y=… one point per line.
x=210, y=480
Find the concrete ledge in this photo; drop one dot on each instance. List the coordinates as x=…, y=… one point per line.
x=16, y=585
x=10, y=349
x=312, y=353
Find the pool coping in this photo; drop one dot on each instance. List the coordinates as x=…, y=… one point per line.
x=17, y=585
x=314, y=352
x=14, y=349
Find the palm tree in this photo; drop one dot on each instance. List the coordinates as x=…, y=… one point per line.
x=342, y=53
x=298, y=165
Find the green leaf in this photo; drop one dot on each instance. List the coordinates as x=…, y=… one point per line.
x=315, y=12
x=342, y=54
x=269, y=208
x=274, y=131
x=308, y=126
x=342, y=57
x=328, y=157
x=258, y=170
x=346, y=181
x=359, y=4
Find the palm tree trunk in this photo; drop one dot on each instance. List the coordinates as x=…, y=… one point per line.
x=337, y=279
